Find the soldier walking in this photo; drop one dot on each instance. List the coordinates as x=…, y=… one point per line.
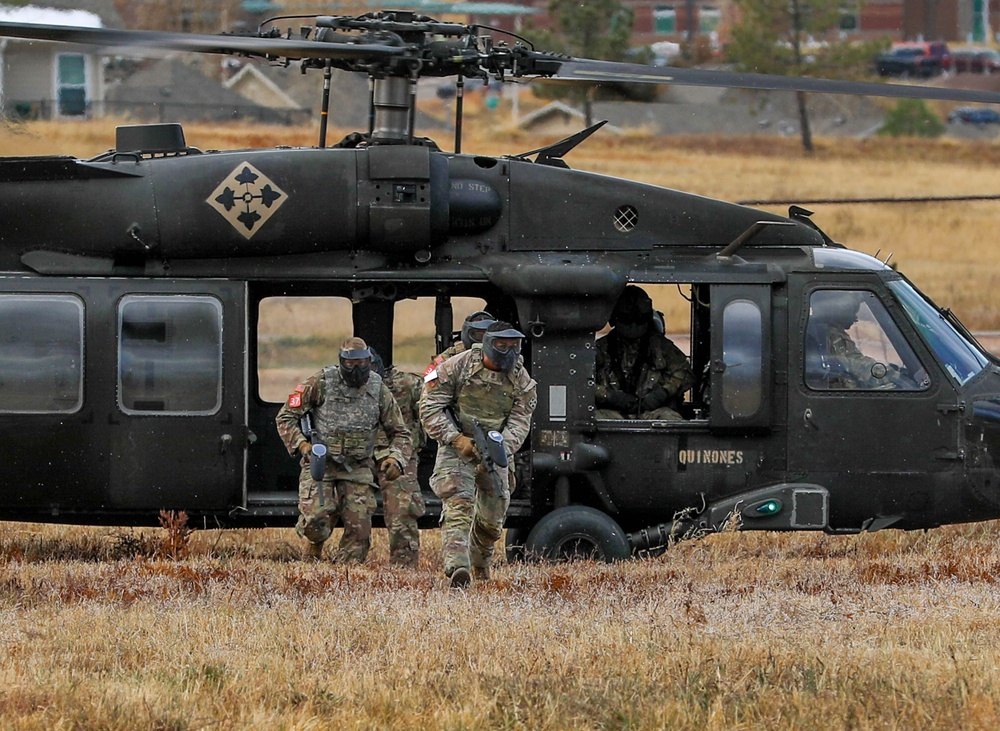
x=402, y=501
x=348, y=404
x=489, y=385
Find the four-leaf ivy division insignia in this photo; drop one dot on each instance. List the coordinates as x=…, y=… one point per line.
x=247, y=199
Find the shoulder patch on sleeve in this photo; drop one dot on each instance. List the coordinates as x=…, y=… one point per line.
x=294, y=400
x=301, y=388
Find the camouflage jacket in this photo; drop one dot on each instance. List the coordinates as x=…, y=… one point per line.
x=311, y=396
x=500, y=400
x=457, y=347
x=662, y=365
x=849, y=367
x=405, y=388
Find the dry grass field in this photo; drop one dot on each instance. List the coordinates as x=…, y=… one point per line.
x=736, y=631
x=120, y=629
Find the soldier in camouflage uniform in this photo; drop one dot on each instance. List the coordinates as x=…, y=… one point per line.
x=349, y=405
x=402, y=501
x=472, y=334
x=491, y=385
x=639, y=372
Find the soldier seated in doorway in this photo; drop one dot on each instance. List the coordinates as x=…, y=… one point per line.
x=640, y=374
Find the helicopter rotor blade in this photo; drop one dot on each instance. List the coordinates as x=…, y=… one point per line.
x=576, y=70
x=330, y=47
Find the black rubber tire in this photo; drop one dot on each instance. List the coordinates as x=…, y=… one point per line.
x=578, y=532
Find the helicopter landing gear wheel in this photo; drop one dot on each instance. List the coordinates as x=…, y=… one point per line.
x=578, y=532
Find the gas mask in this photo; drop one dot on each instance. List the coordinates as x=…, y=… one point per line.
x=355, y=366
x=474, y=327
x=498, y=348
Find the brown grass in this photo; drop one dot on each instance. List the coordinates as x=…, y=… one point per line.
x=756, y=631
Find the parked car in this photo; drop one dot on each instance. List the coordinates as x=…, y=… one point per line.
x=914, y=59
x=974, y=115
x=975, y=61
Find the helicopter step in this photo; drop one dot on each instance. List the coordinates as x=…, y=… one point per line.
x=272, y=499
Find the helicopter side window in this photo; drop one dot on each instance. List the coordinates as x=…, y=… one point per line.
x=852, y=344
x=170, y=354
x=41, y=354
x=742, y=354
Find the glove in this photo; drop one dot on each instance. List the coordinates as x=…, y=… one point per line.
x=390, y=468
x=621, y=401
x=465, y=446
x=654, y=399
x=305, y=449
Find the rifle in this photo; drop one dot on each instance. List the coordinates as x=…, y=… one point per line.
x=492, y=452
x=317, y=462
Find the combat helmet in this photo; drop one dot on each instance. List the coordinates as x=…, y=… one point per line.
x=632, y=315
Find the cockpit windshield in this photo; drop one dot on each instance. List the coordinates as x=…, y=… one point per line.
x=960, y=356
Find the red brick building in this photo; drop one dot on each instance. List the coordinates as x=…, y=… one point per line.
x=678, y=20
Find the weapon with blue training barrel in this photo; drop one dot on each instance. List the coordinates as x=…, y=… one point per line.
x=317, y=461
x=492, y=454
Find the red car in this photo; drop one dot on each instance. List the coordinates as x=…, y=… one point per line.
x=975, y=61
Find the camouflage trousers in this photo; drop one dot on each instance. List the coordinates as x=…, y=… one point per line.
x=402, y=504
x=321, y=505
x=664, y=413
x=472, y=514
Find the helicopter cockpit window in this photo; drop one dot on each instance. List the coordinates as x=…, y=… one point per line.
x=853, y=344
x=41, y=354
x=169, y=355
x=959, y=355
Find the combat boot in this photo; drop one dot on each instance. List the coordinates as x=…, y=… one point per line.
x=314, y=551
x=460, y=578
x=481, y=573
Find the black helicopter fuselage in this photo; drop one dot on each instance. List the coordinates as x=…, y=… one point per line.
x=130, y=360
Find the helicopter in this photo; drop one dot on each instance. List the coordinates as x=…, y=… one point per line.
x=132, y=285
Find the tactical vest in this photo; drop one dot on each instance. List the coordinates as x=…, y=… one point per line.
x=348, y=420
x=487, y=396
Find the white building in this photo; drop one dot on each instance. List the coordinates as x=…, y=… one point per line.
x=41, y=79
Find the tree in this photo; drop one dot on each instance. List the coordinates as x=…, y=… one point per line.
x=797, y=38
x=912, y=118
x=189, y=16
x=599, y=29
